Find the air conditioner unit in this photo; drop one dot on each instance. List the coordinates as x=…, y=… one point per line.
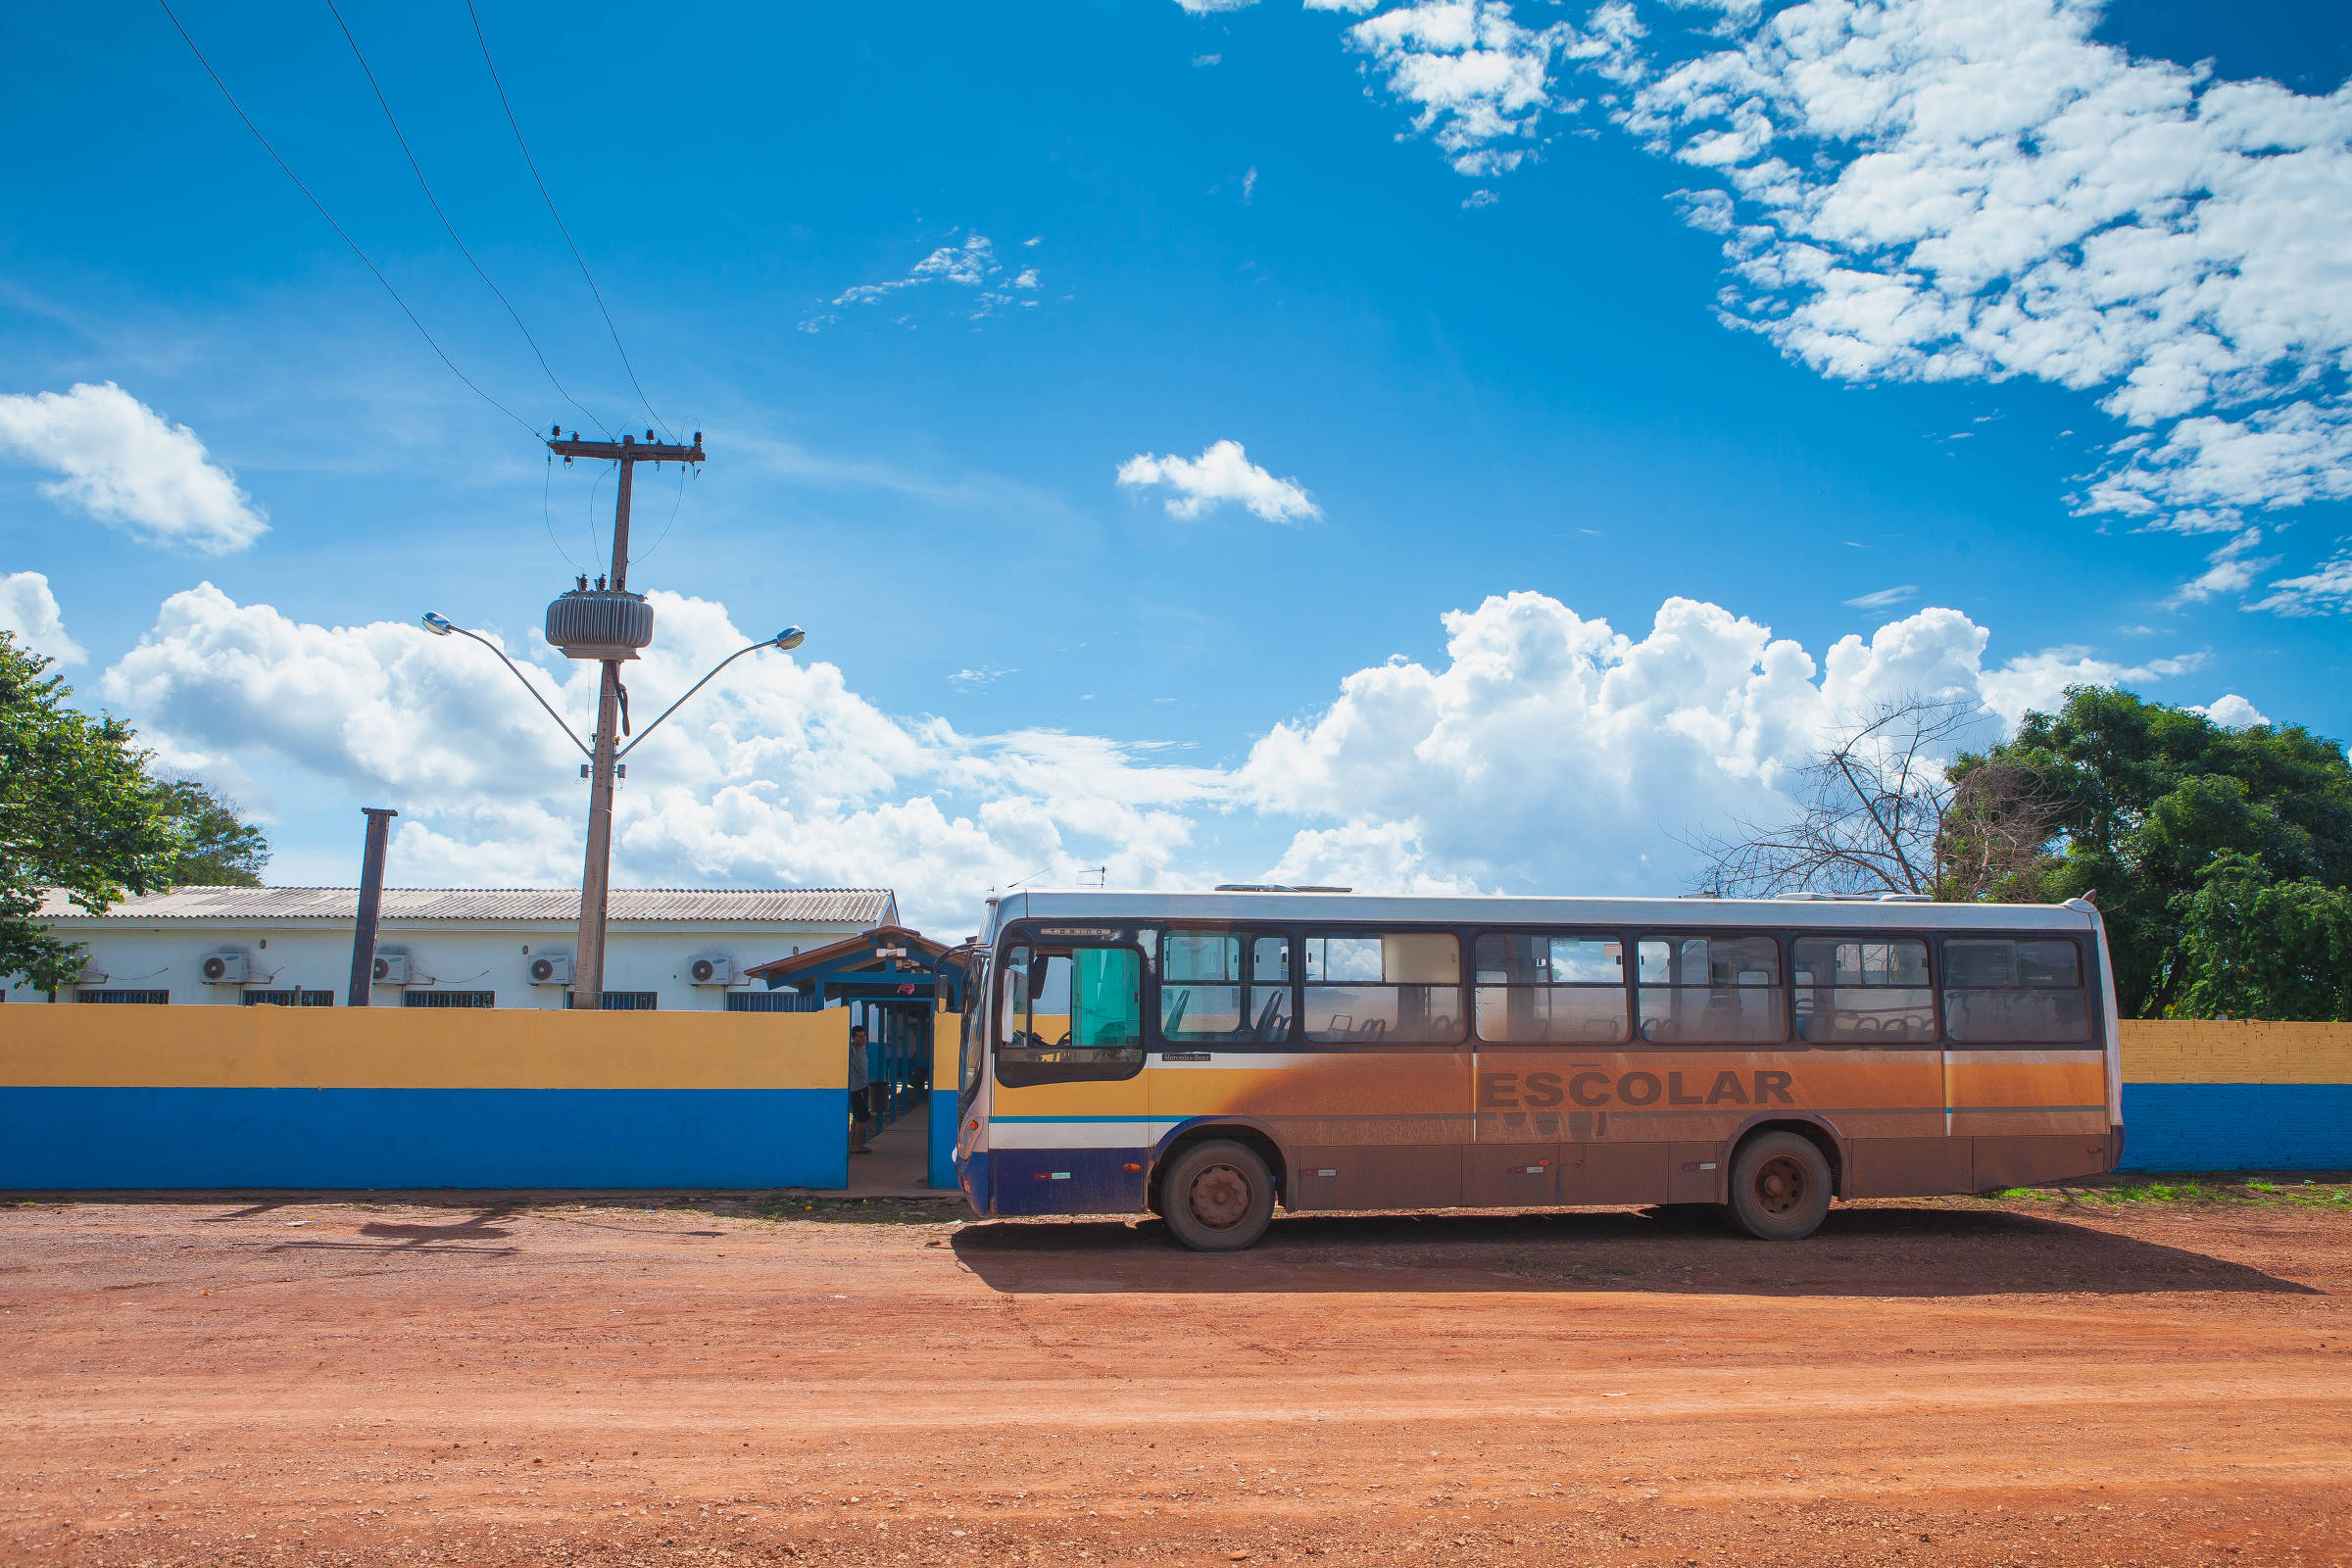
x=552, y=969
x=391, y=968
x=224, y=968
x=90, y=978
x=713, y=969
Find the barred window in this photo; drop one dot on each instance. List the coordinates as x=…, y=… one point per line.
x=144, y=999
x=449, y=998
x=611, y=1001
x=772, y=1002
x=288, y=999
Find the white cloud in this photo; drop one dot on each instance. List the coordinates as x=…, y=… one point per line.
x=2231, y=712
x=1935, y=190
x=776, y=773
x=971, y=264
x=1552, y=753
x=1884, y=598
x=1476, y=79
x=1203, y=8
x=1221, y=473
x=2039, y=682
x=1547, y=753
x=29, y=610
x=2325, y=591
x=124, y=465
x=2229, y=570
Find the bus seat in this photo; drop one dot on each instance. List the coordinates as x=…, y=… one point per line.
x=1271, y=1025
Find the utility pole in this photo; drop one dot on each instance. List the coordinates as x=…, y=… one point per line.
x=588, y=962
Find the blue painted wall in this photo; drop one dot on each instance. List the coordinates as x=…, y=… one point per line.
x=2196, y=1127
x=57, y=1138
x=943, y=1140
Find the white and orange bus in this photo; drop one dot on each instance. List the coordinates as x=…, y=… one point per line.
x=1207, y=1057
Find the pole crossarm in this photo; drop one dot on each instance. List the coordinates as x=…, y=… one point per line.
x=533, y=690
x=630, y=450
x=690, y=691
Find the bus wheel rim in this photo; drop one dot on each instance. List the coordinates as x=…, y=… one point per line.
x=1220, y=1197
x=1780, y=1184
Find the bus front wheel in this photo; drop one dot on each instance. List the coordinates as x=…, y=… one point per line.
x=1780, y=1188
x=1218, y=1197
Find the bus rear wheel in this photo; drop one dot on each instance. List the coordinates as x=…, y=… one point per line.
x=1780, y=1188
x=1218, y=1197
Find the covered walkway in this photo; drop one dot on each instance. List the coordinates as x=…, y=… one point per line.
x=896, y=982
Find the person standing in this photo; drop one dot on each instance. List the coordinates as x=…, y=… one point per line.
x=859, y=1096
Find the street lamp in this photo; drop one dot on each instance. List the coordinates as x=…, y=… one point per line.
x=621, y=622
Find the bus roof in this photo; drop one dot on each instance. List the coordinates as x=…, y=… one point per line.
x=1840, y=915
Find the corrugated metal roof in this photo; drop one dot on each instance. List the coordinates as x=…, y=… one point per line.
x=858, y=906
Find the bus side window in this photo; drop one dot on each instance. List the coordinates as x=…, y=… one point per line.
x=1200, y=986
x=2015, y=991
x=1713, y=990
x=1864, y=991
x=1392, y=988
x=1551, y=990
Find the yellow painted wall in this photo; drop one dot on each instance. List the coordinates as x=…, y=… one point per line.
x=457, y=1047
x=78, y=1045
x=946, y=1050
x=2163, y=1052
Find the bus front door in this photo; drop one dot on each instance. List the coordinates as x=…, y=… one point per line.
x=1069, y=1121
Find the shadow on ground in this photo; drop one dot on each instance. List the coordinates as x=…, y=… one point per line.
x=1884, y=1253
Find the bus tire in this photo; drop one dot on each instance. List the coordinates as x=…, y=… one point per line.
x=1218, y=1197
x=1780, y=1187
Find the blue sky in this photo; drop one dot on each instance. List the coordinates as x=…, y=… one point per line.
x=1495, y=300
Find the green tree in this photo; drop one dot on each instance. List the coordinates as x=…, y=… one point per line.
x=216, y=848
x=78, y=812
x=2146, y=799
x=2253, y=946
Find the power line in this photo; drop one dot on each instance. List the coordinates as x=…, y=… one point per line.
x=547, y=512
x=532, y=165
x=593, y=547
x=320, y=208
x=446, y=225
x=674, y=504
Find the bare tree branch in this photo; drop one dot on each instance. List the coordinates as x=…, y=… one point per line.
x=1878, y=810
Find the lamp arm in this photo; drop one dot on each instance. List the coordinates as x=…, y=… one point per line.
x=529, y=687
x=681, y=702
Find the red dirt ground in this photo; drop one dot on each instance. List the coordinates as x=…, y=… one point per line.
x=498, y=1380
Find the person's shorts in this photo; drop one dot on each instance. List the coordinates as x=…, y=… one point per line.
x=858, y=1103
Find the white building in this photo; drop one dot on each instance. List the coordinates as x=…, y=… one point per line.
x=450, y=946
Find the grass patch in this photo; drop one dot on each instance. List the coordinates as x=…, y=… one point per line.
x=2325, y=1191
